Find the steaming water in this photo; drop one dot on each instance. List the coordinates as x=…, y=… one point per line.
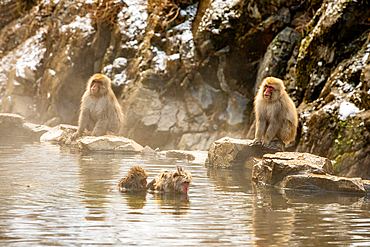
x=55, y=196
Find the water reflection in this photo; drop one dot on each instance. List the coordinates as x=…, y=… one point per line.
x=310, y=218
x=177, y=203
x=95, y=172
x=231, y=179
x=135, y=199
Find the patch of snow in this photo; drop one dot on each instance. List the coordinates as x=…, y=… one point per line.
x=107, y=70
x=305, y=114
x=183, y=36
x=160, y=60
x=119, y=62
x=219, y=9
x=81, y=23
x=174, y=57
x=347, y=109
x=304, y=128
x=132, y=21
x=120, y=79
x=46, y=2
x=28, y=54
x=344, y=87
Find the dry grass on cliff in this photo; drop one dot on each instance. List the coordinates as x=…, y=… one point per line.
x=105, y=11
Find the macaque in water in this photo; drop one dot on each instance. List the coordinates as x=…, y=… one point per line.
x=171, y=181
x=276, y=114
x=100, y=111
x=134, y=180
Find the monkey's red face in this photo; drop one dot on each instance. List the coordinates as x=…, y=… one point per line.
x=185, y=186
x=268, y=91
x=95, y=86
x=143, y=182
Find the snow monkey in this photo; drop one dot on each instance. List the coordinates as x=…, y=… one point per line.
x=100, y=111
x=134, y=180
x=276, y=114
x=171, y=181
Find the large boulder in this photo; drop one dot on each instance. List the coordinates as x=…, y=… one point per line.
x=303, y=171
x=227, y=152
x=16, y=125
x=322, y=182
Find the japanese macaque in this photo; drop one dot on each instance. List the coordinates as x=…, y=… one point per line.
x=134, y=180
x=276, y=114
x=100, y=111
x=171, y=181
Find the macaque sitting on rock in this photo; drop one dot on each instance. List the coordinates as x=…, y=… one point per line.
x=134, y=180
x=100, y=111
x=276, y=114
x=171, y=181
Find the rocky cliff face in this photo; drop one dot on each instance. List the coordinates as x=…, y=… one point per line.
x=186, y=72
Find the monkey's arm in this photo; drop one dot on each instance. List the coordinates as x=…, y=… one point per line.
x=271, y=131
x=260, y=129
x=83, y=120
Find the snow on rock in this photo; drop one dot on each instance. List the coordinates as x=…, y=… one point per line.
x=182, y=39
x=132, y=21
x=160, y=60
x=27, y=55
x=118, y=64
x=81, y=23
x=215, y=13
x=347, y=109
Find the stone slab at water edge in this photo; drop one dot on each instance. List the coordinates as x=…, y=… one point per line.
x=108, y=143
x=227, y=152
x=302, y=171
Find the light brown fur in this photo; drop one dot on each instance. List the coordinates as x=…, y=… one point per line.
x=100, y=111
x=175, y=181
x=134, y=180
x=276, y=116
